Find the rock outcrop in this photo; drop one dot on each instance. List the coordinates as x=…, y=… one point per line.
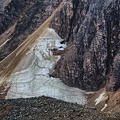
x=3, y=4
x=46, y=109
x=28, y=16
x=92, y=30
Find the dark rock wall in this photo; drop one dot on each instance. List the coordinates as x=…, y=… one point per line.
x=112, y=16
x=93, y=42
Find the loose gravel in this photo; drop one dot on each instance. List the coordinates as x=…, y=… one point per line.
x=45, y=108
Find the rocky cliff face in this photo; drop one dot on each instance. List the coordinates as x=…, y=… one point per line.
x=27, y=16
x=91, y=28
x=3, y=4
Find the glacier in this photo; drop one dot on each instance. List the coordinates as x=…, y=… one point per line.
x=31, y=77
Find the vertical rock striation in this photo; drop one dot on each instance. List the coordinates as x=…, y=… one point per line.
x=91, y=29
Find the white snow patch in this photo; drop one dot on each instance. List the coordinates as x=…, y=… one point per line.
x=31, y=76
x=104, y=107
x=101, y=98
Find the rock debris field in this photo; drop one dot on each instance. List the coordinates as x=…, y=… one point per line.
x=45, y=108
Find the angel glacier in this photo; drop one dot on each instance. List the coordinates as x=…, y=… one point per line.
x=31, y=76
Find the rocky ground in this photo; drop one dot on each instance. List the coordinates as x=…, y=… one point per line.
x=45, y=108
x=92, y=29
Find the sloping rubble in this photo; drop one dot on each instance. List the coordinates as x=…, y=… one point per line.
x=45, y=108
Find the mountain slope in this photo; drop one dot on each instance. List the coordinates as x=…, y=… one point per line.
x=91, y=60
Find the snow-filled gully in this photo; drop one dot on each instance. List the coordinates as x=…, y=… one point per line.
x=31, y=77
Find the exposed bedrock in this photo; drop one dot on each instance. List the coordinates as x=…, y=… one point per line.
x=92, y=30
x=28, y=15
